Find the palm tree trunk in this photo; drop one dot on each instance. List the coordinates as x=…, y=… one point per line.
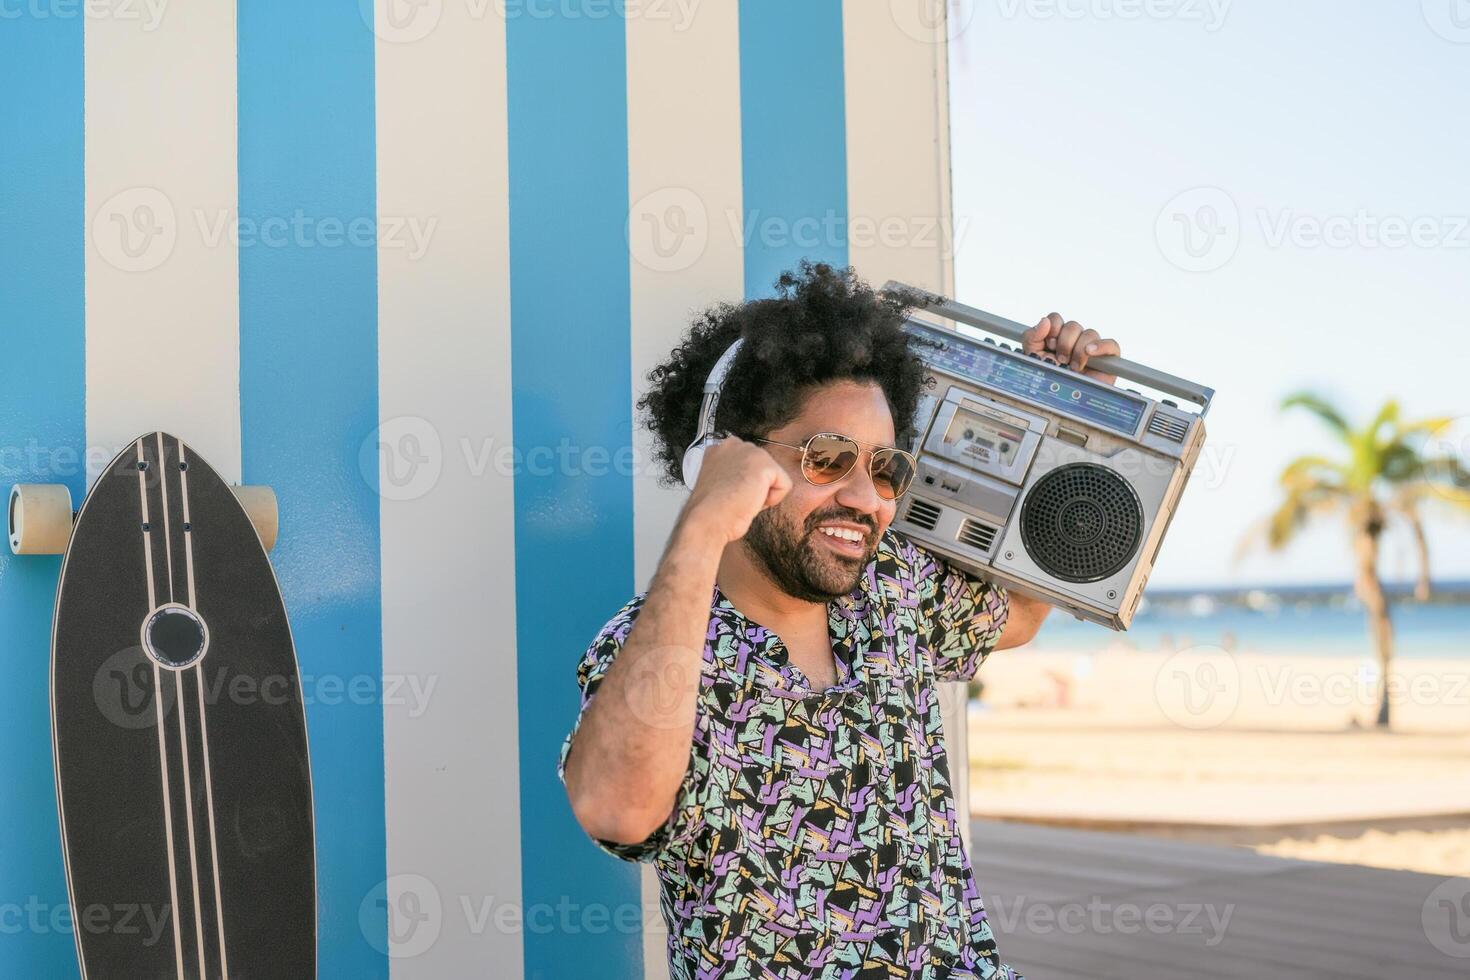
x=1421, y=551
x=1370, y=592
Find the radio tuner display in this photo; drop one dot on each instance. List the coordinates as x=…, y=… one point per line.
x=1035, y=382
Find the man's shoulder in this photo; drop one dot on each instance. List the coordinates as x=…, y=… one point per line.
x=617, y=628
x=897, y=553
x=609, y=640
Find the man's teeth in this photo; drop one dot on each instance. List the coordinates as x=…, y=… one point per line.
x=843, y=533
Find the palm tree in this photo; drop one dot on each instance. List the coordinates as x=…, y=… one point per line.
x=1386, y=474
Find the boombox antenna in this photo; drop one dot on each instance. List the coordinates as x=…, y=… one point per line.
x=1133, y=371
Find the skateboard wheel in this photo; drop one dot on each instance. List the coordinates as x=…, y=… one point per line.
x=40, y=519
x=260, y=505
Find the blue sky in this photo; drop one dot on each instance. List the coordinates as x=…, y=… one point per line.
x=1316, y=153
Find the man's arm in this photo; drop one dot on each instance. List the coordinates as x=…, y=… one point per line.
x=627, y=758
x=632, y=742
x=1023, y=622
x=965, y=615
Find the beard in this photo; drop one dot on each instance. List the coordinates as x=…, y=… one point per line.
x=797, y=563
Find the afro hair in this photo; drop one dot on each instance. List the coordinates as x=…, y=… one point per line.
x=823, y=325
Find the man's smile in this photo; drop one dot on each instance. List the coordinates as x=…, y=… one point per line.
x=844, y=538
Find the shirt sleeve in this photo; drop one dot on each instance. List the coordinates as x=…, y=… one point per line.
x=964, y=614
x=591, y=669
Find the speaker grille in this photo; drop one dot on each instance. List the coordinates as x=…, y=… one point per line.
x=1081, y=522
x=976, y=534
x=1168, y=427
x=922, y=513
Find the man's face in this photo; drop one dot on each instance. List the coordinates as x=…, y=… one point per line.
x=787, y=540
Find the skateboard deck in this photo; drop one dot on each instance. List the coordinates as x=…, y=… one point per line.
x=179, y=726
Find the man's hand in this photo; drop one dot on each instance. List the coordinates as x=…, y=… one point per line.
x=737, y=481
x=1065, y=342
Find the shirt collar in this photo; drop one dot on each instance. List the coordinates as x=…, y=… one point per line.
x=850, y=617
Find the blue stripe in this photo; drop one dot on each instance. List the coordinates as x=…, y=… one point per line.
x=793, y=132
x=42, y=434
x=308, y=399
x=571, y=385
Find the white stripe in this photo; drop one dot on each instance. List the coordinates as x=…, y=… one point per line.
x=168, y=550
x=168, y=544
x=898, y=180
x=447, y=528
x=219, y=905
x=147, y=534
x=684, y=174
x=162, y=291
x=188, y=521
x=168, y=821
x=168, y=812
x=897, y=96
x=189, y=814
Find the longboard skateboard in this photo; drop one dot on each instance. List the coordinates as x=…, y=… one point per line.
x=178, y=724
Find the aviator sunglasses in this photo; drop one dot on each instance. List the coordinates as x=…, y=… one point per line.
x=829, y=456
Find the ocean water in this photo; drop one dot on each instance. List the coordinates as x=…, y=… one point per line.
x=1288, y=620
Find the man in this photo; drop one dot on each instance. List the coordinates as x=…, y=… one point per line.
x=762, y=724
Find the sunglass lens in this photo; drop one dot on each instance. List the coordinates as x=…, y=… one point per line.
x=893, y=471
x=828, y=459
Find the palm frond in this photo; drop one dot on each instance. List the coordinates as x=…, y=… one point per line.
x=1388, y=415
x=1319, y=407
x=1429, y=425
x=1446, y=480
x=1295, y=512
x=1311, y=469
x=1399, y=463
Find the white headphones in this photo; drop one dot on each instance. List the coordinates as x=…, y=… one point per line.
x=704, y=435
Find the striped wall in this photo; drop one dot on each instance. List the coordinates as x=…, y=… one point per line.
x=410, y=265
x=308, y=399
x=42, y=440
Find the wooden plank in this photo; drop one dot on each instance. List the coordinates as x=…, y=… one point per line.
x=1066, y=902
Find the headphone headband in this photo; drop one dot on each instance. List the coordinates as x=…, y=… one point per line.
x=712, y=386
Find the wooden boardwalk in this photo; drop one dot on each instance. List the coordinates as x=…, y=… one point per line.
x=1094, y=905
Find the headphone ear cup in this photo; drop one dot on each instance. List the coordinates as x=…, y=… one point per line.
x=693, y=459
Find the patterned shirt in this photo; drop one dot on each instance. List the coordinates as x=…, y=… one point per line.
x=816, y=835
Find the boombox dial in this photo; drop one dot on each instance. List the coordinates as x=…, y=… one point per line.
x=1081, y=522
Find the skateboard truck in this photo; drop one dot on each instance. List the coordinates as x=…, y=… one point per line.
x=40, y=516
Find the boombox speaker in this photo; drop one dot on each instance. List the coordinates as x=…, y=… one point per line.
x=1040, y=478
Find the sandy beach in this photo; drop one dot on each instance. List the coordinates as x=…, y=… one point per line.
x=1266, y=751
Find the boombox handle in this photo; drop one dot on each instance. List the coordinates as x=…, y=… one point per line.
x=1198, y=394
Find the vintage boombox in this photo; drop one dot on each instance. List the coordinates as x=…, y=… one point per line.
x=1040, y=478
